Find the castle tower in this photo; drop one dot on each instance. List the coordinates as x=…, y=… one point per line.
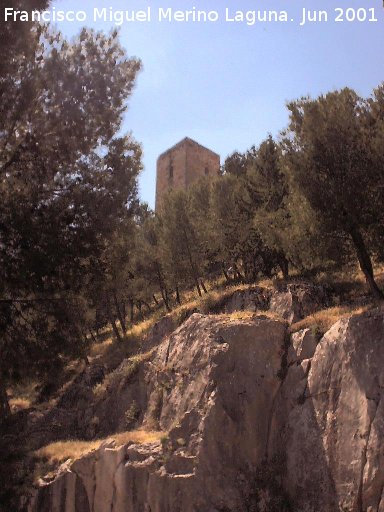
x=181, y=165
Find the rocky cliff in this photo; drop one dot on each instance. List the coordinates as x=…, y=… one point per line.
x=257, y=420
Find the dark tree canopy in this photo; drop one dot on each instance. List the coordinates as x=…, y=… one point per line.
x=68, y=183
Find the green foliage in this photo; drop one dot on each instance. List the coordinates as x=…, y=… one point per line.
x=309, y=202
x=182, y=248
x=150, y=270
x=68, y=183
x=131, y=415
x=155, y=413
x=332, y=158
x=245, y=207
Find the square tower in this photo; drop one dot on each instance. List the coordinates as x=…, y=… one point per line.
x=183, y=164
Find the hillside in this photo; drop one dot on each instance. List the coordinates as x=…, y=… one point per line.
x=249, y=406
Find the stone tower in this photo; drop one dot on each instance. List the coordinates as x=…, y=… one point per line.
x=181, y=165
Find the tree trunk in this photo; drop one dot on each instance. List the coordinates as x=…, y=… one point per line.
x=147, y=306
x=115, y=329
x=162, y=289
x=203, y=286
x=225, y=272
x=165, y=299
x=178, y=295
x=94, y=339
x=238, y=273
x=268, y=266
x=155, y=300
x=365, y=263
x=132, y=305
x=119, y=313
x=5, y=410
x=139, y=306
x=192, y=263
x=284, y=266
x=123, y=309
x=113, y=322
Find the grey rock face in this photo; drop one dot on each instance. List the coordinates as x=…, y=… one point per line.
x=334, y=438
x=297, y=301
x=246, y=430
x=303, y=346
x=252, y=299
x=207, y=385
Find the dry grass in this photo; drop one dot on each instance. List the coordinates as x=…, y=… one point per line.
x=62, y=450
x=56, y=453
x=140, y=329
x=211, y=300
x=240, y=315
x=18, y=404
x=219, y=291
x=324, y=319
x=266, y=283
x=22, y=396
x=99, y=349
x=138, y=437
x=349, y=283
x=113, y=352
x=123, y=372
x=191, y=294
x=379, y=272
x=245, y=315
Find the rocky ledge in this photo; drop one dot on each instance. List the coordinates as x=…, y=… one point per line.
x=257, y=420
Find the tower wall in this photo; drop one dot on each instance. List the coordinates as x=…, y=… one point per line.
x=171, y=172
x=200, y=162
x=181, y=165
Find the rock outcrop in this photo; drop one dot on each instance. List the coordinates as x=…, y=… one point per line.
x=256, y=420
x=250, y=299
x=334, y=434
x=297, y=300
x=212, y=386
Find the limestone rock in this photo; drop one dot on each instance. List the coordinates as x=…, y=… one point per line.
x=297, y=301
x=303, y=346
x=334, y=437
x=159, y=331
x=246, y=430
x=207, y=385
x=251, y=299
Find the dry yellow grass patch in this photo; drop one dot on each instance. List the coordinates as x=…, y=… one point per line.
x=244, y=315
x=266, y=283
x=192, y=304
x=18, y=404
x=241, y=315
x=324, y=319
x=99, y=349
x=61, y=451
x=137, y=331
x=22, y=396
x=217, y=293
x=379, y=273
x=138, y=436
x=142, y=328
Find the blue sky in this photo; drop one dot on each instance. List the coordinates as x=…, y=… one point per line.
x=226, y=85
